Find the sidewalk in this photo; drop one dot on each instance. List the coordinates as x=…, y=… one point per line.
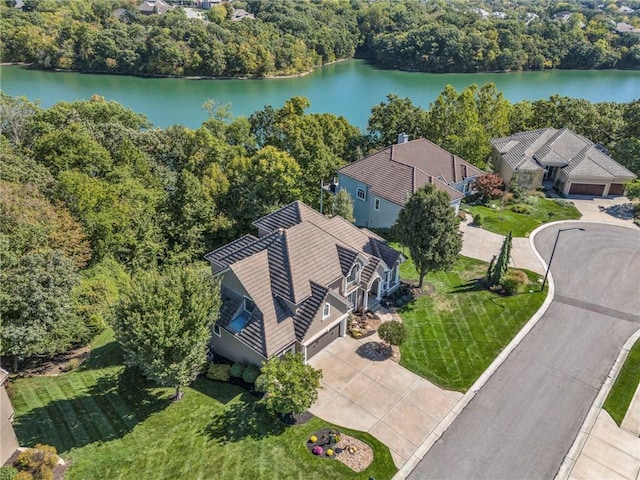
x=631, y=421
x=483, y=245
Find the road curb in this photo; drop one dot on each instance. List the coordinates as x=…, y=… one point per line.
x=575, y=450
x=435, y=435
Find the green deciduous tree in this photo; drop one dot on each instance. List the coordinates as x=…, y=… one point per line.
x=392, y=332
x=396, y=115
x=290, y=386
x=163, y=323
x=36, y=307
x=428, y=226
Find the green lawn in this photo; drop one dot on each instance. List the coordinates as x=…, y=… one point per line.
x=620, y=396
x=522, y=225
x=455, y=333
x=112, y=424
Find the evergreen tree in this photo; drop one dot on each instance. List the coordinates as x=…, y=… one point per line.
x=343, y=206
x=502, y=264
x=428, y=226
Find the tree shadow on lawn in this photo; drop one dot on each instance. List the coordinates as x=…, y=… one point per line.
x=106, y=411
x=375, y=351
x=243, y=418
x=474, y=285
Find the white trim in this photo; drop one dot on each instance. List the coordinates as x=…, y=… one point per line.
x=216, y=330
x=364, y=194
x=376, y=204
x=244, y=304
x=326, y=307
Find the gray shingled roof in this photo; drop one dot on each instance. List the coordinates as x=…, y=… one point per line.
x=295, y=264
x=396, y=172
x=576, y=155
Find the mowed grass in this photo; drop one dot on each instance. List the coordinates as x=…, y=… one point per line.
x=110, y=423
x=625, y=387
x=520, y=224
x=455, y=333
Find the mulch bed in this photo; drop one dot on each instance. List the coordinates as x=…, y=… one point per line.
x=354, y=453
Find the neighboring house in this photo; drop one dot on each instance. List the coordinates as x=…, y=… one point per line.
x=8, y=440
x=622, y=27
x=153, y=7
x=291, y=288
x=575, y=165
x=381, y=183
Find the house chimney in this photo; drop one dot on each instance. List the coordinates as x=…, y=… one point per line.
x=403, y=138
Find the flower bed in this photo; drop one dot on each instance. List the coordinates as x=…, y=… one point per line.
x=328, y=443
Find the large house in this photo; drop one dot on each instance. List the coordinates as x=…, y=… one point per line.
x=574, y=164
x=381, y=183
x=291, y=288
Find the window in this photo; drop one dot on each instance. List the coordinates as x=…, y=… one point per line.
x=216, y=329
x=326, y=310
x=248, y=305
x=361, y=194
x=353, y=274
x=376, y=204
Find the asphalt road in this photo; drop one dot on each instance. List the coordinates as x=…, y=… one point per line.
x=523, y=421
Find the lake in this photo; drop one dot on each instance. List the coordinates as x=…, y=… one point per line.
x=348, y=88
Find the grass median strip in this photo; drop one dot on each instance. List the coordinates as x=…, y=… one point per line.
x=625, y=387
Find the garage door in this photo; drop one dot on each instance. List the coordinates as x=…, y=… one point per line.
x=616, y=189
x=586, y=189
x=323, y=341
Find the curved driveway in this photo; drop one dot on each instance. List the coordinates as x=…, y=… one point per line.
x=523, y=421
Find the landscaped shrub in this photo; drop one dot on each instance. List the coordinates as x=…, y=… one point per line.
x=8, y=472
x=23, y=476
x=238, y=369
x=38, y=462
x=507, y=198
x=73, y=364
x=531, y=200
x=462, y=216
x=478, y=220
x=219, y=372
x=251, y=373
x=514, y=282
x=563, y=202
x=524, y=209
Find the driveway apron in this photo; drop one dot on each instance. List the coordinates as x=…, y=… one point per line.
x=394, y=405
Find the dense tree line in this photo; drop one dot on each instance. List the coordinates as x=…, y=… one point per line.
x=92, y=194
x=290, y=37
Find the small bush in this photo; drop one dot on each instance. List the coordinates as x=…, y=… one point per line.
x=8, y=472
x=23, y=476
x=219, y=372
x=37, y=462
x=478, y=220
x=531, y=200
x=523, y=209
x=507, y=198
x=514, y=282
x=238, y=369
x=251, y=373
x=72, y=364
x=462, y=216
x=563, y=202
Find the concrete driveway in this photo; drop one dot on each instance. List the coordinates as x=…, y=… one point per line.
x=394, y=405
x=523, y=421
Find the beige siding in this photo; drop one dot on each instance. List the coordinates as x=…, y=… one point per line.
x=230, y=347
x=8, y=439
x=337, y=310
x=230, y=281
